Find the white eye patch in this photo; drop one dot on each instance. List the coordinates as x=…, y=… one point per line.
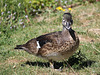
x=38, y=45
x=63, y=20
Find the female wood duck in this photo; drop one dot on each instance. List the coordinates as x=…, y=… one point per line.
x=55, y=46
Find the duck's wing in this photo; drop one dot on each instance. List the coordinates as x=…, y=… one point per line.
x=49, y=42
x=54, y=38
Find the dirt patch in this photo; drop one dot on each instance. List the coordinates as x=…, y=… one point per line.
x=0, y=63
x=85, y=38
x=95, y=31
x=64, y=73
x=12, y=60
x=48, y=19
x=51, y=19
x=39, y=19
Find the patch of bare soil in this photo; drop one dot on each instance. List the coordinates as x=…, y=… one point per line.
x=95, y=31
x=0, y=63
x=85, y=38
x=41, y=18
x=64, y=73
x=51, y=19
x=12, y=60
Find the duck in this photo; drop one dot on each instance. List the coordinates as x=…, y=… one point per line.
x=54, y=46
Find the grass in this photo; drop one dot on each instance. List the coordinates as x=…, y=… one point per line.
x=86, y=19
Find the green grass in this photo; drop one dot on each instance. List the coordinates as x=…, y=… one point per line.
x=13, y=62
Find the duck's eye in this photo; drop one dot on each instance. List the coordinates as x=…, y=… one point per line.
x=63, y=20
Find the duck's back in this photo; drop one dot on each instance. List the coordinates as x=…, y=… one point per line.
x=58, y=45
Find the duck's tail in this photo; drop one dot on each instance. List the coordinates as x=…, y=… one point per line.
x=19, y=47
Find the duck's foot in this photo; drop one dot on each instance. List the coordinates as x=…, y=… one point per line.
x=52, y=66
x=60, y=69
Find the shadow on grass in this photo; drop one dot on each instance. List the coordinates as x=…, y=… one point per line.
x=77, y=61
x=38, y=63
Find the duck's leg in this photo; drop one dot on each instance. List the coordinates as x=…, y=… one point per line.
x=61, y=68
x=51, y=64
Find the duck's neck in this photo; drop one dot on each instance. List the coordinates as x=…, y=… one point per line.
x=69, y=32
x=66, y=30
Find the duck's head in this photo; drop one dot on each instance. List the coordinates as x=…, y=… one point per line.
x=67, y=20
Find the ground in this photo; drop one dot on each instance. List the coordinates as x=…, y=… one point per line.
x=86, y=24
